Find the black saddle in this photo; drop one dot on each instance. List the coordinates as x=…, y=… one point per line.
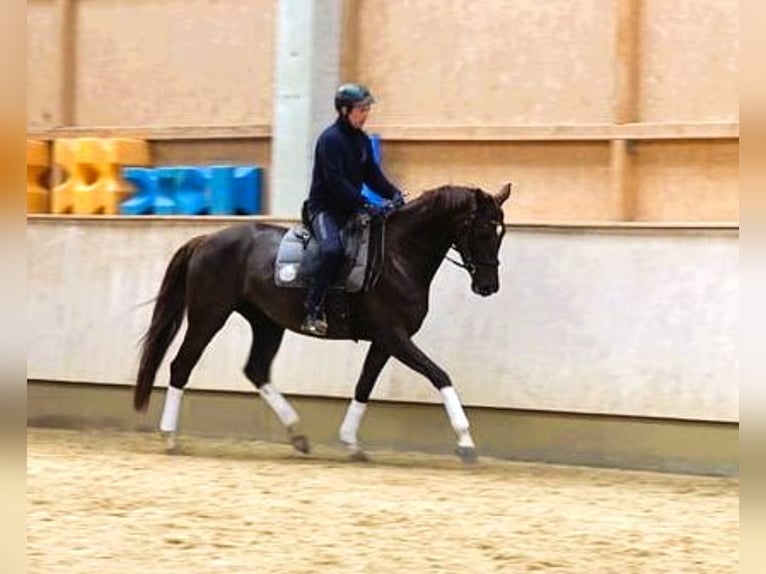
x=362, y=240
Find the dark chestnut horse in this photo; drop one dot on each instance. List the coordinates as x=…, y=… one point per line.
x=232, y=270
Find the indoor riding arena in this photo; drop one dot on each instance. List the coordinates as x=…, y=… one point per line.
x=600, y=380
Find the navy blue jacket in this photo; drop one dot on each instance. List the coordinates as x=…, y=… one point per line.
x=343, y=161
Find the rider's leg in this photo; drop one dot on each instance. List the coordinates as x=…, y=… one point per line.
x=331, y=258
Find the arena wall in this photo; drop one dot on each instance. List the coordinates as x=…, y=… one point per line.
x=613, y=321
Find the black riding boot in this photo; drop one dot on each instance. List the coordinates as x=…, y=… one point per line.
x=315, y=322
x=331, y=257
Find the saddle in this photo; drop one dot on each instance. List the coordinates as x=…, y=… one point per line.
x=362, y=239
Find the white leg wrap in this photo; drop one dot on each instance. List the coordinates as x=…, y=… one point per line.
x=351, y=422
x=169, y=420
x=278, y=403
x=464, y=439
x=457, y=416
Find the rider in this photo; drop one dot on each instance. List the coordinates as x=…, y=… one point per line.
x=343, y=161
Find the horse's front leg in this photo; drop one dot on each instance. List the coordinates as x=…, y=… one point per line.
x=409, y=354
x=373, y=364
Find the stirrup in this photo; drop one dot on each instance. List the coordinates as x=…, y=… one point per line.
x=314, y=326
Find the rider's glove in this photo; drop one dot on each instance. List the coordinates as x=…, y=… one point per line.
x=379, y=210
x=398, y=199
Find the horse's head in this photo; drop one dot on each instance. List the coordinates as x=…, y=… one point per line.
x=478, y=238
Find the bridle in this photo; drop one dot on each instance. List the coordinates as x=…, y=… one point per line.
x=465, y=239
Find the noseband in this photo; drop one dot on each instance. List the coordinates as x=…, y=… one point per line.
x=466, y=237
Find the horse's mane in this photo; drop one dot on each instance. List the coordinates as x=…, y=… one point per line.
x=447, y=198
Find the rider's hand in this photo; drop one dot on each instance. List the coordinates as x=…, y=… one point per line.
x=388, y=206
x=381, y=210
x=398, y=199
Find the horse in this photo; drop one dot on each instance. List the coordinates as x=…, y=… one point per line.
x=232, y=270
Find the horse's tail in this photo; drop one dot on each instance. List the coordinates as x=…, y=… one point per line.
x=167, y=318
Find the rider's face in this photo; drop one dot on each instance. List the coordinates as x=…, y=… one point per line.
x=358, y=115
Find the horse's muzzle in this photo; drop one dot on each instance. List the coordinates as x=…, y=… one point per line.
x=485, y=290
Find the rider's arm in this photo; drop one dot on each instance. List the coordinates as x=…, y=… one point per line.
x=376, y=179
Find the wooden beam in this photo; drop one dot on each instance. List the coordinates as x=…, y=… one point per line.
x=575, y=132
x=157, y=132
x=65, y=54
x=521, y=133
x=349, y=46
x=622, y=180
x=516, y=224
x=627, y=63
x=626, y=102
x=675, y=131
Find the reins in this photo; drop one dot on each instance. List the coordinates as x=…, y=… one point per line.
x=470, y=268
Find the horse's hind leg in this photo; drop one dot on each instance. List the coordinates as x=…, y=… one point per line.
x=203, y=324
x=267, y=338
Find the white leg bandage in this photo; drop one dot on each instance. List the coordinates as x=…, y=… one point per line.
x=351, y=422
x=169, y=420
x=278, y=403
x=456, y=416
x=454, y=409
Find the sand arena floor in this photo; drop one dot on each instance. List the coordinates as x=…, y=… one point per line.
x=106, y=502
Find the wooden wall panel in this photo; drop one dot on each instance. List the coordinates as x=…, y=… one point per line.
x=554, y=181
x=42, y=93
x=690, y=60
x=490, y=65
x=204, y=152
x=174, y=62
x=490, y=62
x=687, y=181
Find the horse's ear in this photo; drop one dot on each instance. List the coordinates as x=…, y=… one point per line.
x=504, y=194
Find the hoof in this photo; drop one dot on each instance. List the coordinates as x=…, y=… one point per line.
x=359, y=455
x=171, y=443
x=300, y=443
x=467, y=454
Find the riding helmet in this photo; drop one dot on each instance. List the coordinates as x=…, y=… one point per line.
x=349, y=95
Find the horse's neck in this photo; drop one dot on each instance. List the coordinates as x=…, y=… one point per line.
x=424, y=238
